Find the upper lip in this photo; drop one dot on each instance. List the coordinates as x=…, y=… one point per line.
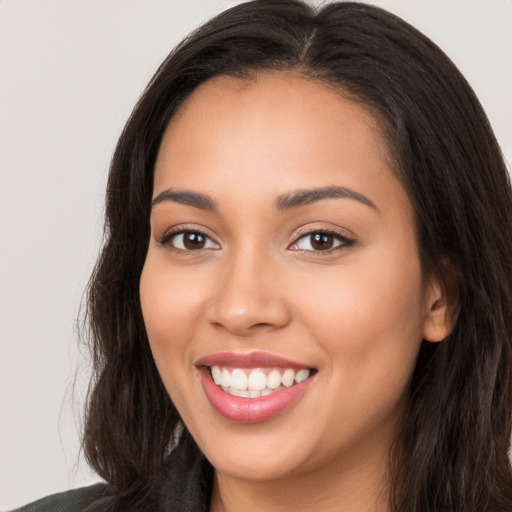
x=249, y=360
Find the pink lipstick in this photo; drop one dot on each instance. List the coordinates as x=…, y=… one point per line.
x=250, y=388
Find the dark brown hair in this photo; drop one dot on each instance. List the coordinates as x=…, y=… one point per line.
x=451, y=453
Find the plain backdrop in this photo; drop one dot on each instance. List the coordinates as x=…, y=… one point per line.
x=70, y=72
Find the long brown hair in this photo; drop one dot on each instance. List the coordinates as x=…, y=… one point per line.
x=451, y=453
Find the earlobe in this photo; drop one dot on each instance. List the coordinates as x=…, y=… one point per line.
x=440, y=314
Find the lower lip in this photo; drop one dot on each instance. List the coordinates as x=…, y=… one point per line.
x=250, y=410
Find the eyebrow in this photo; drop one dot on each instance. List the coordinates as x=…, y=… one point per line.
x=196, y=199
x=284, y=202
x=309, y=196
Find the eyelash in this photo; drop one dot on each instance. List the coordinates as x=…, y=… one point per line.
x=168, y=237
x=344, y=241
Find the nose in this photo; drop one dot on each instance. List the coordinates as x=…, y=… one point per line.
x=248, y=297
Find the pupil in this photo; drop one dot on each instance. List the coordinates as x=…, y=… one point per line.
x=193, y=241
x=322, y=241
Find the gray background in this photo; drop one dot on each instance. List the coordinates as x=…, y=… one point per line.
x=70, y=72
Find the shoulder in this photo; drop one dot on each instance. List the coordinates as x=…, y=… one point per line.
x=94, y=498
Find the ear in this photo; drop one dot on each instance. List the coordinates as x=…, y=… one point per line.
x=441, y=311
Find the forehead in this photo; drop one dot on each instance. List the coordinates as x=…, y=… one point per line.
x=274, y=98
x=273, y=131
x=265, y=89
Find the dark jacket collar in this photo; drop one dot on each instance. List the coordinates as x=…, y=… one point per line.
x=187, y=480
x=185, y=485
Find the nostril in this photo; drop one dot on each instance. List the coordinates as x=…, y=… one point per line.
x=247, y=320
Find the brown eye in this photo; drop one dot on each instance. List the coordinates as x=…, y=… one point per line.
x=193, y=241
x=321, y=241
x=189, y=241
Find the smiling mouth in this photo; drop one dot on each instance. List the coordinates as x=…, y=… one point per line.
x=256, y=382
x=255, y=386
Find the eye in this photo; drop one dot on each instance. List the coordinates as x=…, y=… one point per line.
x=189, y=241
x=321, y=241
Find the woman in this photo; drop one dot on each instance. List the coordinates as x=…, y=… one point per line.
x=304, y=298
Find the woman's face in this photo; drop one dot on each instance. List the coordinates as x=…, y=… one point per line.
x=283, y=249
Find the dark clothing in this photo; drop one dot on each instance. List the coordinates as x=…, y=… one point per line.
x=186, y=487
x=79, y=500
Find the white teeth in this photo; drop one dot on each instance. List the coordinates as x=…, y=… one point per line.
x=273, y=379
x=217, y=375
x=288, y=377
x=301, y=375
x=238, y=379
x=257, y=380
x=232, y=391
x=255, y=383
x=226, y=378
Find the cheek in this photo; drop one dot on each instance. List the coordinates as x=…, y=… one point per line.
x=171, y=307
x=171, y=302
x=368, y=318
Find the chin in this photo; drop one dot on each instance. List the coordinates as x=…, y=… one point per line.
x=258, y=452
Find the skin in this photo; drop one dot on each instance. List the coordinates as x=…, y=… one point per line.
x=357, y=313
